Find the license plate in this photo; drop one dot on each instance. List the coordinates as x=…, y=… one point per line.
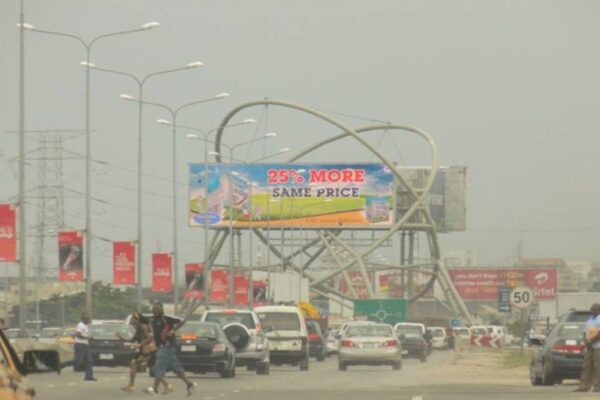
x=404, y=351
x=106, y=356
x=188, y=348
x=368, y=345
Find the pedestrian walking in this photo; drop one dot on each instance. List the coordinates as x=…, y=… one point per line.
x=590, y=371
x=163, y=331
x=146, y=346
x=83, y=356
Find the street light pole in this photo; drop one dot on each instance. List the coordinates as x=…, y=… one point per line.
x=88, y=221
x=140, y=83
x=174, y=112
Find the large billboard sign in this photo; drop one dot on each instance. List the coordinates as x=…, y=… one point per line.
x=298, y=195
x=483, y=284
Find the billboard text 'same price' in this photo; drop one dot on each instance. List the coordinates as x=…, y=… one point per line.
x=521, y=297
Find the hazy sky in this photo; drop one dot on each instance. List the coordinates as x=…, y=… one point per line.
x=508, y=88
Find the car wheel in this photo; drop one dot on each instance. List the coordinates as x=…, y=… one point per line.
x=423, y=358
x=533, y=378
x=342, y=366
x=321, y=357
x=547, y=376
x=304, y=364
x=397, y=365
x=263, y=369
x=251, y=367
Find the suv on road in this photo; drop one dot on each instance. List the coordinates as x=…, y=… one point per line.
x=244, y=331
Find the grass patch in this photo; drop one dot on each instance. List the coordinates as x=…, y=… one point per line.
x=514, y=358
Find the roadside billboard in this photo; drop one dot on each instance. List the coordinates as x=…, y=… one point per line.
x=390, y=311
x=194, y=281
x=162, y=272
x=291, y=195
x=484, y=283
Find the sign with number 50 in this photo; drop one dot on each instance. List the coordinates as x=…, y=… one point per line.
x=521, y=297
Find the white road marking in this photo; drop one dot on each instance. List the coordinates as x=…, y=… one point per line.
x=207, y=398
x=222, y=395
x=418, y=397
x=71, y=384
x=51, y=386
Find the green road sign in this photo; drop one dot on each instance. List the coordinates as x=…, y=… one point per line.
x=389, y=311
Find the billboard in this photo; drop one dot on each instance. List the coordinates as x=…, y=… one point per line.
x=358, y=284
x=298, y=195
x=390, y=311
x=123, y=263
x=162, y=273
x=484, y=283
x=8, y=237
x=446, y=199
x=70, y=256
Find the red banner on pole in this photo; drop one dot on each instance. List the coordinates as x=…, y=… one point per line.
x=8, y=237
x=194, y=281
x=218, y=286
x=70, y=256
x=123, y=263
x=240, y=290
x=162, y=273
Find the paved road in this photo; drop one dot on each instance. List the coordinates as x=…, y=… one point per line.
x=323, y=381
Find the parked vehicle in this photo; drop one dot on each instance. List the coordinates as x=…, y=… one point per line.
x=286, y=331
x=560, y=356
x=13, y=384
x=110, y=344
x=500, y=332
x=244, y=331
x=413, y=342
x=439, y=339
x=204, y=347
x=316, y=341
x=370, y=344
x=332, y=342
x=50, y=334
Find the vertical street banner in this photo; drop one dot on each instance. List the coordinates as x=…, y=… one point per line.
x=162, y=273
x=259, y=288
x=70, y=256
x=123, y=263
x=8, y=237
x=194, y=281
x=241, y=286
x=218, y=286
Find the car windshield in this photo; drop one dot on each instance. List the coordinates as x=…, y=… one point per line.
x=409, y=330
x=50, y=333
x=369, y=330
x=280, y=321
x=437, y=332
x=226, y=318
x=200, y=330
x=313, y=328
x=571, y=331
x=110, y=331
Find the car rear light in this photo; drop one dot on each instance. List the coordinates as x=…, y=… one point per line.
x=219, y=347
x=563, y=348
x=348, y=343
x=313, y=337
x=390, y=343
x=258, y=327
x=188, y=336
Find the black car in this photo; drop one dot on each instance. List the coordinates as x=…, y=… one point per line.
x=316, y=340
x=560, y=355
x=110, y=344
x=414, y=344
x=203, y=347
x=575, y=316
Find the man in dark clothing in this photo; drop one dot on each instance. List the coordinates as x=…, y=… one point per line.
x=163, y=330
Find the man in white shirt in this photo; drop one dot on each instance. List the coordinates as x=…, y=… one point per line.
x=83, y=356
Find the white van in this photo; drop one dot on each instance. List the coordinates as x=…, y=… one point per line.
x=439, y=339
x=286, y=331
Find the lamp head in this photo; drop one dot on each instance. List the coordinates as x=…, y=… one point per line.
x=222, y=95
x=125, y=96
x=195, y=64
x=26, y=26
x=270, y=134
x=150, y=25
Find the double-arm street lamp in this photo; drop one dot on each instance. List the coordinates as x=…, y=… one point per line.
x=205, y=137
x=174, y=112
x=88, y=45
x=140, y=81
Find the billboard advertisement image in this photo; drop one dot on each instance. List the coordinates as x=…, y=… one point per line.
x=485, y=283
x=299, y=195
x=162, y=272
x=8, y=237
x=123, y=263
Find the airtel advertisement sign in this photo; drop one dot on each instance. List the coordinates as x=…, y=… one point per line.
x=483, y=283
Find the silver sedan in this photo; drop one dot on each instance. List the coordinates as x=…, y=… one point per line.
x=372, y=344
